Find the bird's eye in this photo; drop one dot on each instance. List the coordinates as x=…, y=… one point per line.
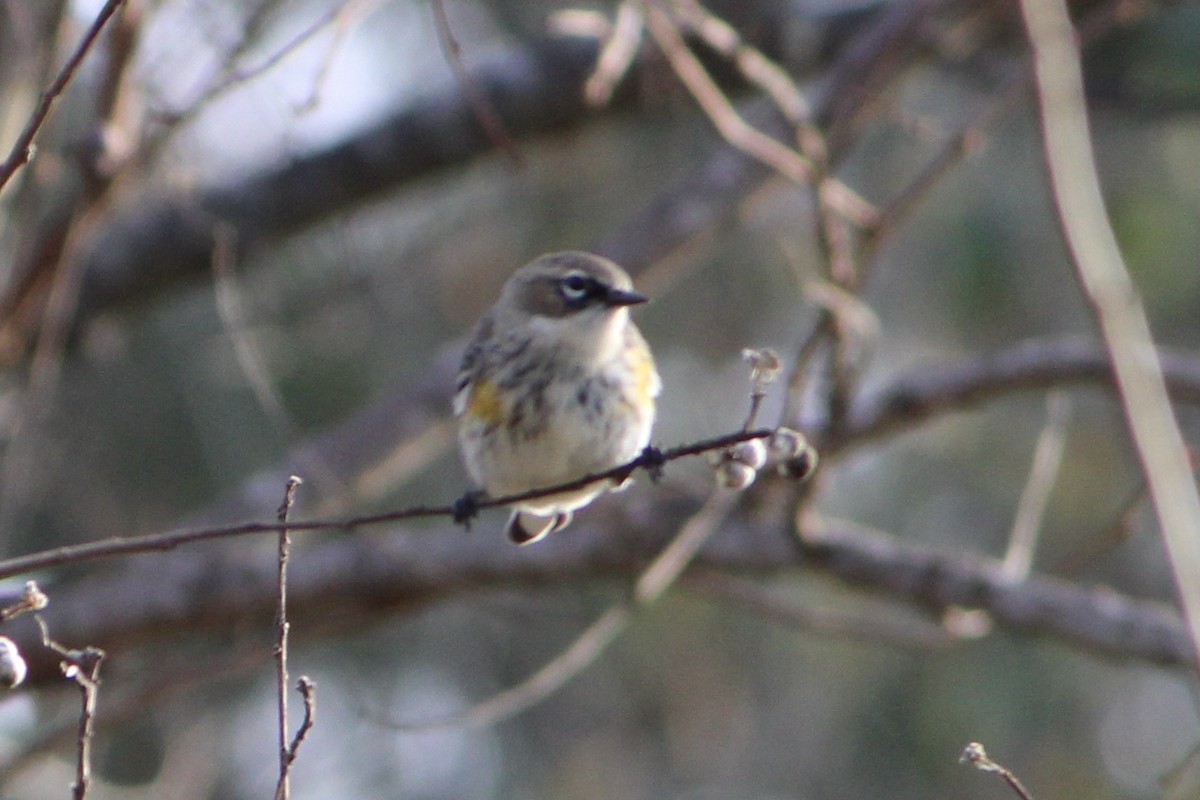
x=575, y=288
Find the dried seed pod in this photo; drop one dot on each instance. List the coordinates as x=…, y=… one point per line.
x=786, y=443
x=752, y=453
x=12, y=665
x=735, y=475
x=799, y=467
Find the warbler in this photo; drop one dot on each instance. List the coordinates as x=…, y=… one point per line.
x=556, y=383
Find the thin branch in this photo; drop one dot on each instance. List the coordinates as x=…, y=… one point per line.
x=966, y=141
x=22, y=149
x=286, y=755
x=231, y=76
x=764, y=369
x=674, y=559
x=899, y=404
x=835, y=202
x=1114, y=299
x=1031, y=508
x=651, y=459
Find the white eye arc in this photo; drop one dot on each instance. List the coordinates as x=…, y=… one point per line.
x=575, y=287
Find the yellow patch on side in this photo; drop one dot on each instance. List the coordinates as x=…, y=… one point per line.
x=645, y=377
x=485, y=403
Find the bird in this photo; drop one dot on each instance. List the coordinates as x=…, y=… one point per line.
x=556, y=383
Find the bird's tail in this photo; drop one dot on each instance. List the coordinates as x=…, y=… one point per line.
x=525, y=527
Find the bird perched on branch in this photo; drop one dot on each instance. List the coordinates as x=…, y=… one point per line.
x=557, y=383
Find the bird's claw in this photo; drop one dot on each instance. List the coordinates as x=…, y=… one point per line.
x=466, y=508
x=653, y=459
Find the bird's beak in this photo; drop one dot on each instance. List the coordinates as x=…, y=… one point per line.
x=621, y=297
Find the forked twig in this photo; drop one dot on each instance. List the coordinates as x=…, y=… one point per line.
x=82, y=667
x=308, y=693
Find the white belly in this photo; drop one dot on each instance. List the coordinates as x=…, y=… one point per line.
x=580, y=439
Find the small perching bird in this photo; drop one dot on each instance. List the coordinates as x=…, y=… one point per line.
x=557, y=383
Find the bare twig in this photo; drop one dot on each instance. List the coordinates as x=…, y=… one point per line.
x=82, y=667
x=975, y=755
x=483, y=108
x=672, y=561
x=968, y=139
x=1031, y=508
x=169, y=540
x=22, y=149
x=617, y=54
x=835, y=202
x=1112, y=294
x=286, y=753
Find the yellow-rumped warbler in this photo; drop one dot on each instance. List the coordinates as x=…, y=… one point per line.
x=557, y=383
